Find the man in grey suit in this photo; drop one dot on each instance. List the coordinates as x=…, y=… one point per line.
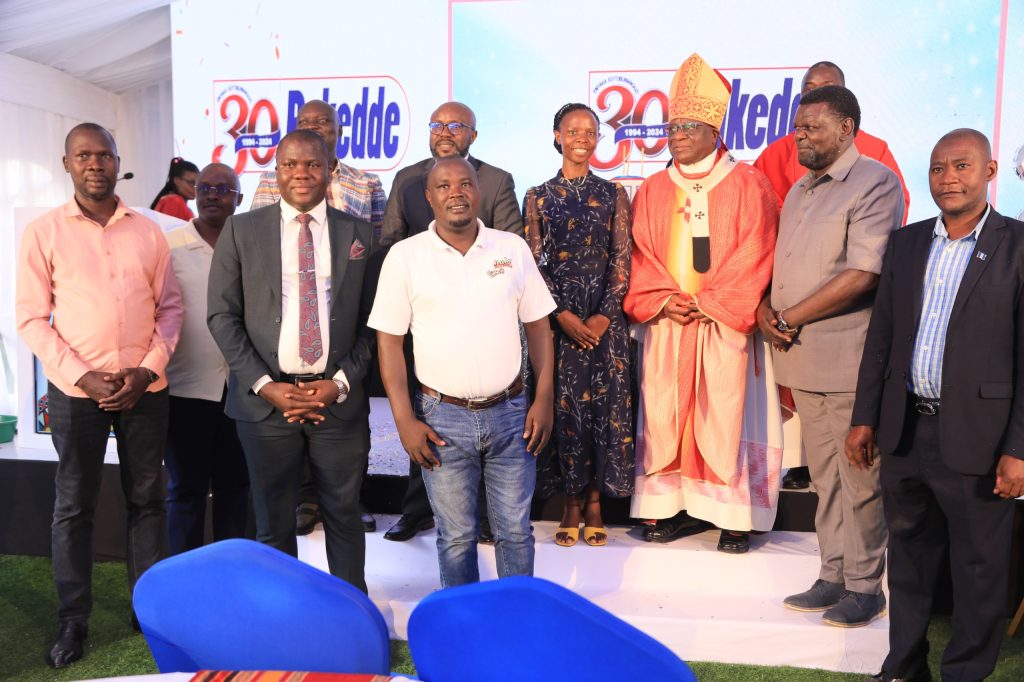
x=286, y=307
x=452, y=132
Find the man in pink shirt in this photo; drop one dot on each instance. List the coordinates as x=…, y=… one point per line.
x=100, y=271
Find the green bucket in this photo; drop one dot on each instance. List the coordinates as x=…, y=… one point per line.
x=8, y=425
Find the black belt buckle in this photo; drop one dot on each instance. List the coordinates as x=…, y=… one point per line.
x=303, y=378
x=928, y=408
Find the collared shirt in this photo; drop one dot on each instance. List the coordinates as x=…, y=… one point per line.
x=947, y=262
x=836, y=222
x=110, y=290
x=463, y=311
x=288, y=356
x=197, y=369
x=349, y=190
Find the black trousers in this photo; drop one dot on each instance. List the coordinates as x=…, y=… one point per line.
x=203, y=455
x=80, y=431
x=336, y=451
x=929, y=508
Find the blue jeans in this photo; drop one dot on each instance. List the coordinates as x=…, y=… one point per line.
x=488, y=443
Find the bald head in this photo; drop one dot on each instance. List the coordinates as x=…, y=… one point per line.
x=448, y=163
x=321, y=118
x=93, y=128
x=219, y=171
x=820, y=74
x=968, y=136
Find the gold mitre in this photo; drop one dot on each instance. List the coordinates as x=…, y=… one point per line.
x=698, y=93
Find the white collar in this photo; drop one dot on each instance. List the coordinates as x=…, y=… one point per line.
x=480, y=241
x=319, y=212
x=941, y=231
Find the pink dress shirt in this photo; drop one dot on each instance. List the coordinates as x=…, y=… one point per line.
x=112, y=296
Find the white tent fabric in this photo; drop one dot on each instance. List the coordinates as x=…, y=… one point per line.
x=117, y=46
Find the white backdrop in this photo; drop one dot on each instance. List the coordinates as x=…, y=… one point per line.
x=919, y=69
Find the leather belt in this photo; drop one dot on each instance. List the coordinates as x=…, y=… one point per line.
x=514, y=389
x=296, y=378
x=929, y=407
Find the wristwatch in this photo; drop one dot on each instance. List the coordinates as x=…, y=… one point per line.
x=342, y=390
x=782, y=326
x=151, y=375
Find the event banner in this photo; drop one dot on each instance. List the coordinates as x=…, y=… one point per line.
x=243, y=69
x=919, y=69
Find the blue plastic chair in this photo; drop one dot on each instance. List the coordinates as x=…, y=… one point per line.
x=525, y=628
x=241, y=605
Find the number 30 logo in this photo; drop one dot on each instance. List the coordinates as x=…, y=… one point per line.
x=243, y=128
x=624, y=107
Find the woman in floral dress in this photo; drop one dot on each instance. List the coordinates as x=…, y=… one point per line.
x=578, y=226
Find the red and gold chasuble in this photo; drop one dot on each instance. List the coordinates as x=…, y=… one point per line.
x=711, y=433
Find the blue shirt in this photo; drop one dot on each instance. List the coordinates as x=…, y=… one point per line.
x=947, y=262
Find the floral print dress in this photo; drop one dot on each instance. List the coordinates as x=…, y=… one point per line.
x=579, y=232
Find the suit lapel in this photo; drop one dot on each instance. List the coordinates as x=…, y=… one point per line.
x=268, y=249
x=988, y=243
x=342, y=234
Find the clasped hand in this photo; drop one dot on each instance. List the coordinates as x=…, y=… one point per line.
x=682, y=309
x=118, y=391
x=584, y=334
x=767, y=322
x=301, y=402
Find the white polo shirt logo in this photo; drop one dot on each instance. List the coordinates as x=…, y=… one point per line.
x=500, y=265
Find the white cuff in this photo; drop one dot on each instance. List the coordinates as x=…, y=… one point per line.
x=260, y=383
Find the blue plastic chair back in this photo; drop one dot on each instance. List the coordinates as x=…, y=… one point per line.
x=525, y=628
x=241, y=605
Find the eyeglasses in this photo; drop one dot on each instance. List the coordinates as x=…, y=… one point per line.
x=688, y=128
x=219, y=190
x=455, y=128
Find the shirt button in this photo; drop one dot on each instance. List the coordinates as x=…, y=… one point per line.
x=782, y=286
x=787, y=253
x=277, y=319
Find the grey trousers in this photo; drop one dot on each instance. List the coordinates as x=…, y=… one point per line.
x=849, y=521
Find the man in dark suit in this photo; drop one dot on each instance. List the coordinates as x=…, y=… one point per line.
x=287, y=311
x=452, y=132
x=941, y=392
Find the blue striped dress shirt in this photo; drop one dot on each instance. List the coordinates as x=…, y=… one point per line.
x=947, y=262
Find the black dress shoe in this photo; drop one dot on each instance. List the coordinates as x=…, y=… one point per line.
x=886, y=677
x=797, y=478
x=485, y=536
x=68, y=647
x=369, y=523
x=407, y=526
x=307, y=515
x=679, y=526
x=733, y=542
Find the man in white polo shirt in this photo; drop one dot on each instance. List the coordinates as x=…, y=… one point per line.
x=461, y=289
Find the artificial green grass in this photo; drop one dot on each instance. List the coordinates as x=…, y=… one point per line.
x=28, y=624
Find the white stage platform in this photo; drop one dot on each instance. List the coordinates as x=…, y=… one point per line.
x=701, y=603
